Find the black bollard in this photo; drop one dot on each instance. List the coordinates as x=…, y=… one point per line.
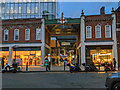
x=27, y=66
x=64, y=66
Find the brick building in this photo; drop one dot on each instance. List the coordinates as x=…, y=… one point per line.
x=118, y=32
x=98, y=38
x=91, y=37
x=24, y=39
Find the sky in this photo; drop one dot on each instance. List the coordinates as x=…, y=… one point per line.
x=73, y=9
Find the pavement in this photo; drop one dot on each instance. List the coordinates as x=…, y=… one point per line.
x=43, y=68
x=84, y=80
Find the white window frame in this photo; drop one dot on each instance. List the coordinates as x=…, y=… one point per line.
x=96, y=31
x=109, y=31
x=37, y=34
x=18, y=34
x=7, y=34
x=25, y=34
x=90, y=31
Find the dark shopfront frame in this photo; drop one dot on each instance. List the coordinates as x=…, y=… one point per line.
x=88, y=48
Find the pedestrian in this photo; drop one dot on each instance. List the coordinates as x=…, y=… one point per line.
x=2, y=63
x=111, y=66
x=47, y=64
x=114, y=62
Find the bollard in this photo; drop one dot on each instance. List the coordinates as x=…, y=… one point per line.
x=64, y=66
x=99, y=67
x=27, y=66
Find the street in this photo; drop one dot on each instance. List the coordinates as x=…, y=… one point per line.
x=54, y=80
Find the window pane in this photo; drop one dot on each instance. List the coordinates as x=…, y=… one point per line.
x=98, y=32
x=28, y=8
x=24, y=10
x=16, y=34
x=16, y=8
x=108, y=32
x=6, y=35
x=88, y=32
x=27, y=34
x=38, y=34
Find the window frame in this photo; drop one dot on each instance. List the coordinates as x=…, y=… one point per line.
x=4, y=34
x=96, y=31
x=109, y=30
x=37, y=34
x=90, y=32
x=25, y=34
x=15, y=34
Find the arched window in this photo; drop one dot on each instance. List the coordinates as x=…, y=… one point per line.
x=107, y=31
x=16, y=34
x=38, y=31
x=88, y=32
x=98, y=31
x=6, y=32
x=27, y=34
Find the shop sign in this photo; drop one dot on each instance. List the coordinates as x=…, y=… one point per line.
x=27, y=49
x=32, y=54
x=4, y=49
x=65, y=43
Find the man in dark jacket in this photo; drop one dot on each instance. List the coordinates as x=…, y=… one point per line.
x=114, y=62
x=2, y=63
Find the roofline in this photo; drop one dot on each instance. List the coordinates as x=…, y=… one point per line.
x=21, y=19
x=99, y=15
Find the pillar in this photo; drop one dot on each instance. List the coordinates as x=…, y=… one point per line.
x=43, y=42
x=115, y=54
x=10, y=55
x=82, y=36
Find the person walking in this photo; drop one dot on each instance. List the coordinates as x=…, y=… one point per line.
x=47, y=64
x=2, y=63
x=114, y=62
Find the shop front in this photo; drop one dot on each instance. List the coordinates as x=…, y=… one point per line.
x=30, y=56
x=99, y=54
x=4, y=53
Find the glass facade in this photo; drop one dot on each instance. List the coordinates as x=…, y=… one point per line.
x=28, y=9
x=25, y=55
x=33, y=58
x=99, y=54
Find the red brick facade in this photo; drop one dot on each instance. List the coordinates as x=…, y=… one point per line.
x=118, y=32
x=11, y=25
x=95, y=20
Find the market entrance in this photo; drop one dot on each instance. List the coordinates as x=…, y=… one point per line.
x=64, y=39
x=63, y=48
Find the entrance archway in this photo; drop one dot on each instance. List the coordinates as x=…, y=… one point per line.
x=64, y=39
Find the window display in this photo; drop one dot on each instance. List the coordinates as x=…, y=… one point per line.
x=33, y=58
x=101, y=56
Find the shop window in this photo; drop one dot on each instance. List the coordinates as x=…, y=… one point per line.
x=16, y=34
x=27, y=34
x=33, y=58
x=88, y=32
x=101, y=56
x=38, y=30
x=6, y=35
x=98, y=31
x=107, y=31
